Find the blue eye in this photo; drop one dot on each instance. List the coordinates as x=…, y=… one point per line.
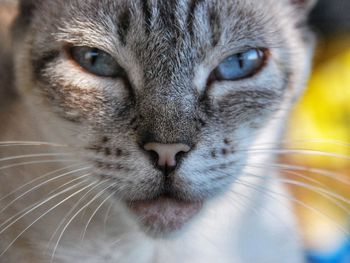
x=97, y=62
x=240, y=66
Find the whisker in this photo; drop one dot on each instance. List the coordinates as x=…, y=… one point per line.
x=243, y=206
x=37, y=179
x=304, y=152
x=75, y=207
x=44, y=183
x=41, y=216
x=93, y=214
x=30, y=143
x=272, y=214
x=290, y=169
x=76, y=214
x=318, y=141
x=120, y=239
x=32, y=208
x=329, y=195
x=37, y=162
x=294, y=151
x=109, y=209
x=306, y=178
x=287, y=171
x=34, y=156
x=68, y=183
x=313, y=141
x=325, y=173
x=273, y=194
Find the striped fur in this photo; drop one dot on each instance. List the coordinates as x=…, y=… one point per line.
x=168, y=50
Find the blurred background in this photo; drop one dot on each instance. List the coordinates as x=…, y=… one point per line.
x=319, y=175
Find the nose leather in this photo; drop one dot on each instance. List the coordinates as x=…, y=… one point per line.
x=167, y=152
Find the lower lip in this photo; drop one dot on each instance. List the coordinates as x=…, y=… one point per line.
x=165, y=215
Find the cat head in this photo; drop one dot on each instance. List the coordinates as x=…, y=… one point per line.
x=170, y=93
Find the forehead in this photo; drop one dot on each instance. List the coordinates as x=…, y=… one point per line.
x=161, y=33
x=115, y=18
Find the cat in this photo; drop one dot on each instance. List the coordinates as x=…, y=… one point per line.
x=145, y=131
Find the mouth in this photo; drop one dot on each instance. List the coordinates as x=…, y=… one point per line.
x=164, y=214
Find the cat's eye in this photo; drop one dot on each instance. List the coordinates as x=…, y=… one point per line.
x=240, y=66
x=96, y=62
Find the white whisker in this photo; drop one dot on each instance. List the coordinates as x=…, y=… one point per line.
x=288, y=172
x=68, y=183
x=75, y=215
x=293, y=200
x=22, y=214
x=34, y=156
x=45, y=183
x=37, y=162
x=302, y=176
x=272, y=214
x=33, y=144
x=318, y=141
x=37, y=179
x=105, y=220
x=307, y=152
x=41, y=216
x=93, y=214
x=329, y=195
x=75, y=207
x=326, y=173
x=304, y=141
x=29, y=143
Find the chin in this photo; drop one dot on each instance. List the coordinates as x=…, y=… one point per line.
x=164, y=215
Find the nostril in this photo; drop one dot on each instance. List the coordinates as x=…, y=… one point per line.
x=179, y=156
x=154, y=157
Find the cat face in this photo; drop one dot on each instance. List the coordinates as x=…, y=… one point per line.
x=205, y=76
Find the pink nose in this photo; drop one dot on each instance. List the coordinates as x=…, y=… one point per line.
x=167, y=152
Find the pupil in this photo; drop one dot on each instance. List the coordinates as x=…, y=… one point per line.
x=240, y=61
x=91, y=56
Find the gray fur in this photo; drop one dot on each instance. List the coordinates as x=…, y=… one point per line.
x=168, y=49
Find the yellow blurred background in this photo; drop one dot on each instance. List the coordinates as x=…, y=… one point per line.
x=320, y=126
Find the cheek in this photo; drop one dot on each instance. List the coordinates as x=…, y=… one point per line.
x=219, y=159
x=210, y=160
x=76, y=103
x=248, y=100
x=79, y=95
x=206, y=179
x=248, y=109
